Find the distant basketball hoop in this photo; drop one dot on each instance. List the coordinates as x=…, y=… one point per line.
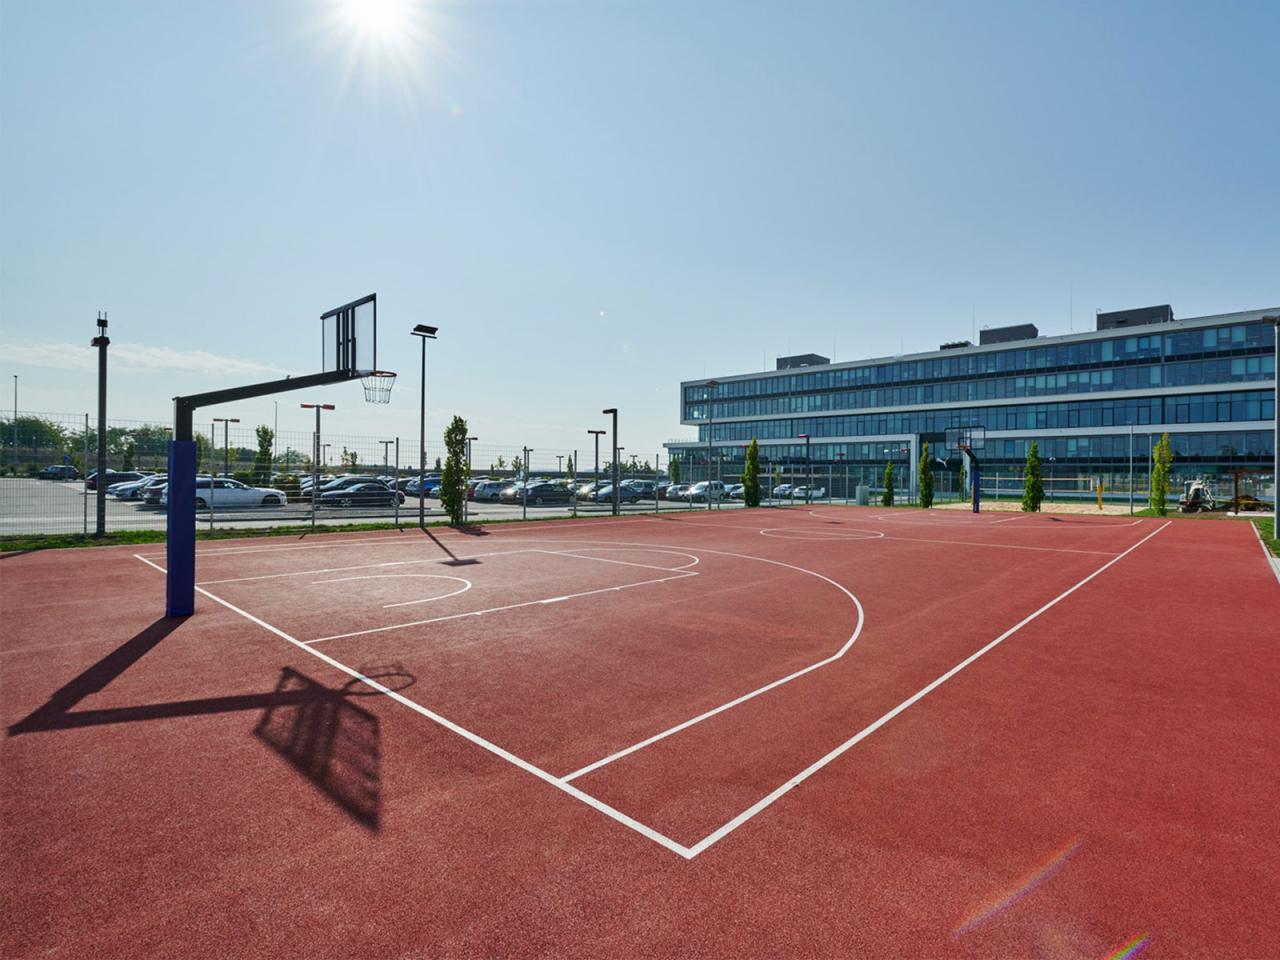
x=377, y=386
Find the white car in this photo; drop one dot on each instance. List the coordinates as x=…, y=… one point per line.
x=806, y=493
x=230, y=494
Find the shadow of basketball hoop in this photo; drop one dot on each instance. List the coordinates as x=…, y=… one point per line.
x=331, y=741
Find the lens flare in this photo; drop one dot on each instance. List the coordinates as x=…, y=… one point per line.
x=1028, y=882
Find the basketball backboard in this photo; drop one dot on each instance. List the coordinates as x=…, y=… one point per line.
x=349, y=337
x=972, y=439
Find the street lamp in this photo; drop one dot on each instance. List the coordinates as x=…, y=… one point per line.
x=613, y=412
x=559, y=463
x=711, y=389
x=840, y=459
x=808, y=490
x=315, y=455
x=524, y=489
x=595, y=490
x=226, y=450
x=1275, y=449
x=386, y=445
x=426, y=333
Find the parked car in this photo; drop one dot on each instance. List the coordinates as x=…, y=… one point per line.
x=113, y=476
x=59, y=471
x=540, y=493
x=134, y=490
x=430, y=483
x=701, y=492
x=782, y=491
x=230, y=494
x=645, y=488
x=487, y=491
x=808, y=493
x=625, y=494
x=678, y=491
x=737, y=491
x=350, y=480
x=368, y=494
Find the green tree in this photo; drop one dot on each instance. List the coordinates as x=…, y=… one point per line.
x=262, y=462
x=1032, y=484
x=751, y=475
x=887, y=499
x=126, y=459
x=438, y=467
x=673, y=468
x=204, y=448
x=926, y=477
x=1161, y=457
x=516, y=465
x=453, y=476
x=569, y=467
x=502, y=464
x=350, y=460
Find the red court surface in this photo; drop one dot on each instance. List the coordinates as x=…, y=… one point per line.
x=787, y=732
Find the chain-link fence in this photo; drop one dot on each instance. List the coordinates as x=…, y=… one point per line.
x=252, y=477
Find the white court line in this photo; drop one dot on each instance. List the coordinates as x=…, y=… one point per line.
x=361, y=566
x=466, y=585
x=920, y=694
x=625, y=563
x=511, y=606
x=614, y=814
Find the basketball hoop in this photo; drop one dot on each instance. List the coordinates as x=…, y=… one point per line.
x=377, y=386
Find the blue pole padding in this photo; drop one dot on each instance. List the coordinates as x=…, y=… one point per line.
x=180, y=546
x=975, y=478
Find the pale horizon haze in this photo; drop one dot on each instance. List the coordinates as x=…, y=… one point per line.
x=596, y=200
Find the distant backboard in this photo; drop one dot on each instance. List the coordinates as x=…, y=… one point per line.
x=349, y=342
x=972, y=439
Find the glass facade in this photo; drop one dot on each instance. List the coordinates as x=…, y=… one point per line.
x=1218, y=372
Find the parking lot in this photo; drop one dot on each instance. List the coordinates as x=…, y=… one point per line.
x=53, y=507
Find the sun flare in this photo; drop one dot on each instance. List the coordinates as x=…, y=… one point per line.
x=383, y=21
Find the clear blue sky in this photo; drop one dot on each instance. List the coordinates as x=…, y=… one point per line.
x=724, y=181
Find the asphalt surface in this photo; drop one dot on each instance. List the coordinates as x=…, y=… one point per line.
x=52, y=506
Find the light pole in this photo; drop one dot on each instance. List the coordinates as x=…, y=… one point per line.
x=275, y=433
x=524, y=489
x=840, y=459
x=613, y=412
x=465, y=511
x=426, y=333
x=315, y=456
x=324, y=454
x=808, y=490
x=711, y=391
x=1275, y=449
x=226, y=450
x=1052, y=461
x=595, y=490
x=15, y=426
x=386, y=444
x=101, y=341
x=559, y=464
x=1131, y=468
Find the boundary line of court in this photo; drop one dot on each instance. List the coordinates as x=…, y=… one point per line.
x=614, y=814
x=687, y=852
x=807, y=772
x=1272, y=562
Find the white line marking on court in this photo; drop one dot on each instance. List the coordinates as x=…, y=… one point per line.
x=466, y=585
x=818, y=534
x=923, y=692
x=625, y=563
x=1016, y=516
x=510, y=606
x=853, y=637
x=360, y=566
x=614, y=814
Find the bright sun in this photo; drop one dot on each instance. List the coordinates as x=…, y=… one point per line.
x=382, y=21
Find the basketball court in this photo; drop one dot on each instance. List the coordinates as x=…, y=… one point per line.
x=869, y=731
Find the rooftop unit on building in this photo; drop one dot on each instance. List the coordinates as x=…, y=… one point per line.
x=1019, y=331
x=1136, y=317
x=802, y=360
x=955, y=345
